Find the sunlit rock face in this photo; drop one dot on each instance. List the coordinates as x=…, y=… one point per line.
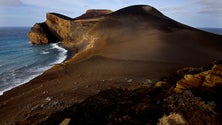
x=58, y=27
x=203, y=80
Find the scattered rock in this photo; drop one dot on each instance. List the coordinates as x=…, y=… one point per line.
x=148, y=81
x=48, y=99
x=65, y=121
x=129, y=80
x=54, y=104
x=160, y=84
x=42, y=105
x=35, y=107
x=45, y=92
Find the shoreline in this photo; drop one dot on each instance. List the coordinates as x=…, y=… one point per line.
x=69, y=54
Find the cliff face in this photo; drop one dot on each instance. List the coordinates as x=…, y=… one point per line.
x=58, y=27
x=40, y=34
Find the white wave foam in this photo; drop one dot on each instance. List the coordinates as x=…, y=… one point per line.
x=61, y=57
x=19, y=82
x=45, y=52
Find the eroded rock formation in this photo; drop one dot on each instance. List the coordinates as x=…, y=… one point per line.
x=204, y=80
x=40, y=34
x=58, y=27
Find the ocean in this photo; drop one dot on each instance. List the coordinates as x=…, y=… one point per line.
x=213, y=30
x=20, y=61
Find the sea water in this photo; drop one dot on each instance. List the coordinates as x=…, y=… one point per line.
x=213, y=30
x=20, y=61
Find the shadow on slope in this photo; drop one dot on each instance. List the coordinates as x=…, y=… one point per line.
x=148, y=105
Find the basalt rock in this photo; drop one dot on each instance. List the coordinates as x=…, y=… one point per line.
x=40, y=34
x=58, y=27
x=204, y=80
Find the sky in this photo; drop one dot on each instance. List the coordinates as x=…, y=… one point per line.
x=195, y=13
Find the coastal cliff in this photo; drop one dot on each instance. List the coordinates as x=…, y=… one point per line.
x=58, y=27
x=128, y=69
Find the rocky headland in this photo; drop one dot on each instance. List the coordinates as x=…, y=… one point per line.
x=131, y=66
x=58, y=27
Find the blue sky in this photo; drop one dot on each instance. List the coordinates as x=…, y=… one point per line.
x=196, y=13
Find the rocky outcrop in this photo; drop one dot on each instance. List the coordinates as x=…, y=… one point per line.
x=40, y=34
x=58, y=27
x=204, y=80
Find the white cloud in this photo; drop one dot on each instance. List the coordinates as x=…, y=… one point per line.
x=75, y=8
x=82, y=4
x=174, y=9
x=210, y=7
x=10, y=2
x=211, y=3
